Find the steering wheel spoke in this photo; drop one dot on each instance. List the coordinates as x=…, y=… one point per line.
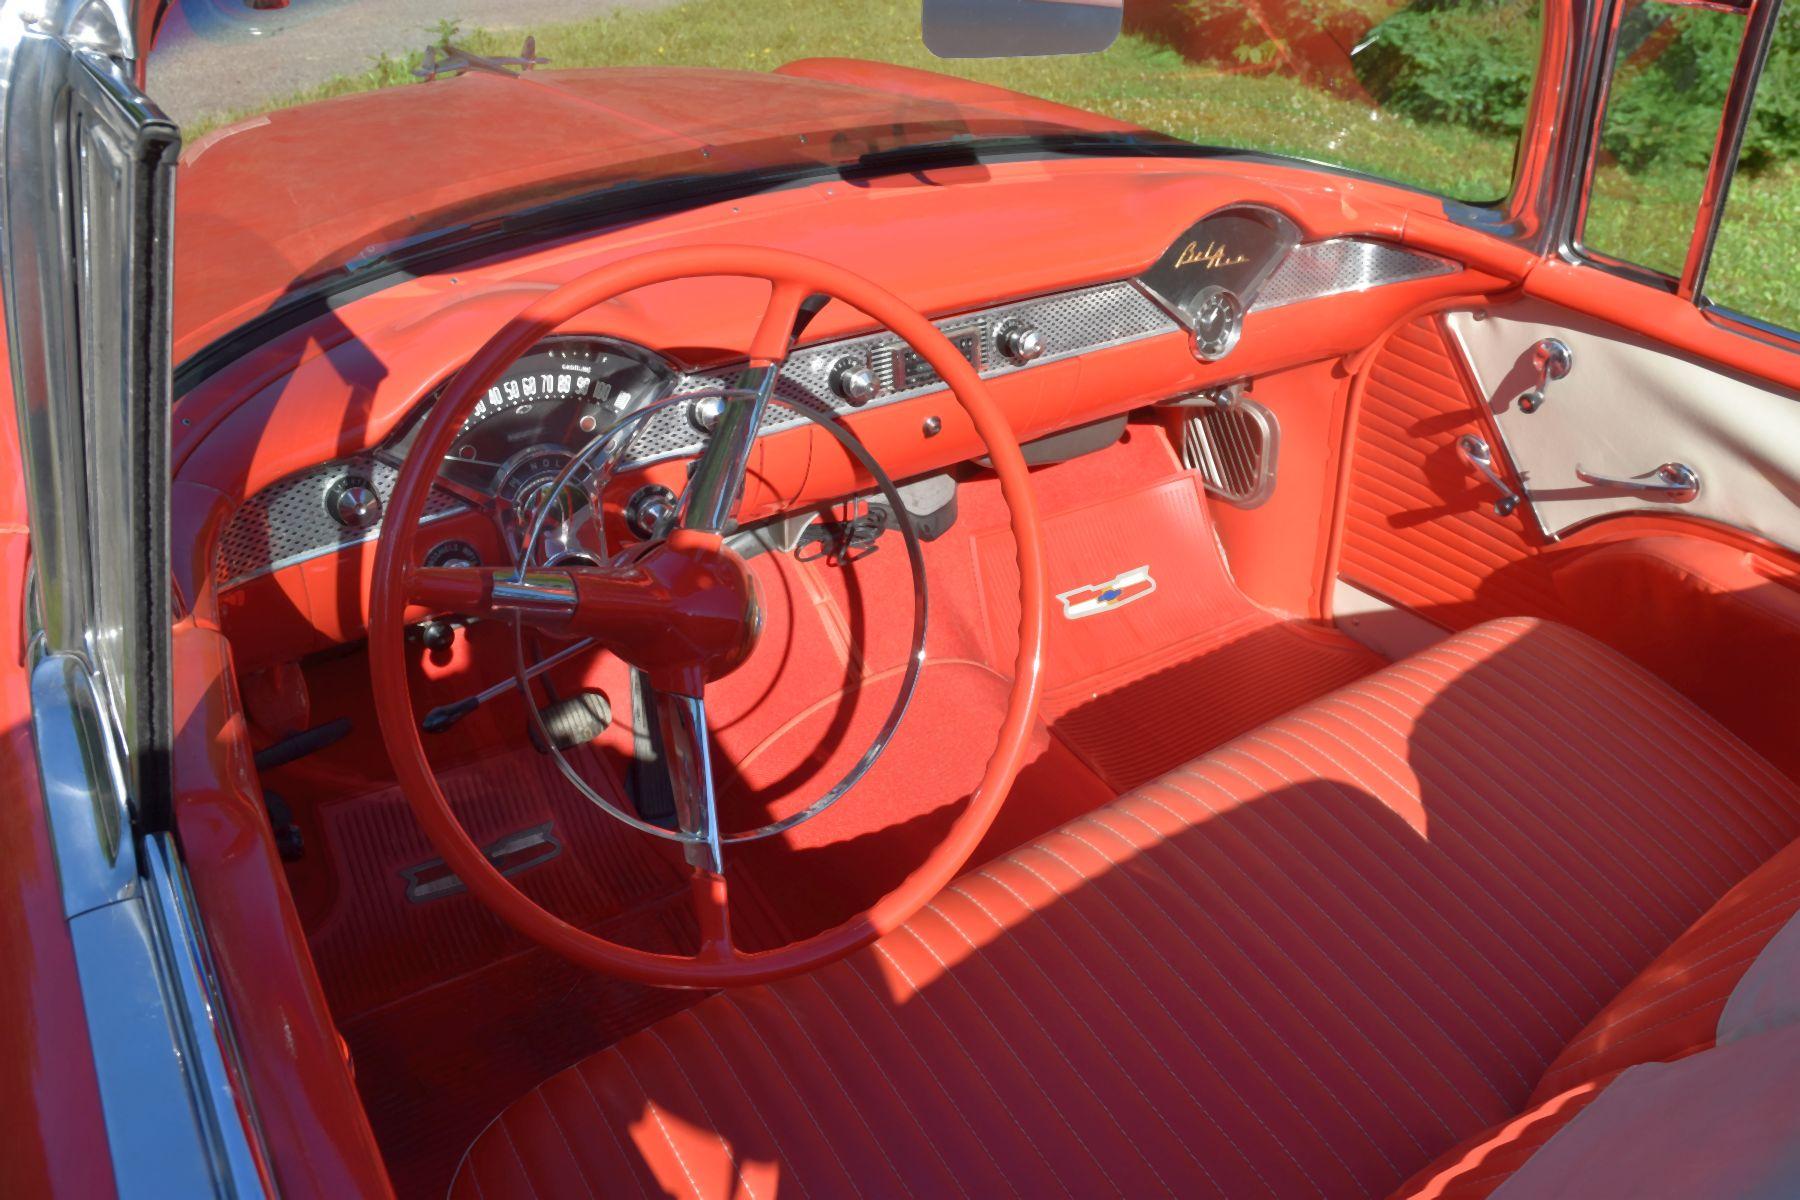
x=781, y=320
x=687, y=749
x=711, y=901
x=547, y=598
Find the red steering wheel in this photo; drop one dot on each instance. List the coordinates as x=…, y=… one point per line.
x=682, y=609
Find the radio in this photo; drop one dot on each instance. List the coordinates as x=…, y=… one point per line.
x=903, y=369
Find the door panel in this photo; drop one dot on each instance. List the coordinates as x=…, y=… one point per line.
x=1714, y=611
x=1626, y=407
x=1419, y=528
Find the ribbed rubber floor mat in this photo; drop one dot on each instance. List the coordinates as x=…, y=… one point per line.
x=435, y=1067
x=446, y=1011
x=1154, y=657
x=379, y=945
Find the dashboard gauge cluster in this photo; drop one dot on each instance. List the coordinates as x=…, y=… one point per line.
x=545, y=407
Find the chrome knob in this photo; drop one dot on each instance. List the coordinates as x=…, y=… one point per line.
x=650, y=511
x=1019, y=342
x=852, y=380
x=706, y=411
x=353, y=502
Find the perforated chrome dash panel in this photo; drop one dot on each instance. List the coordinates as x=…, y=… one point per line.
x=1339, y=265
x=1072, y=323
x=287, y=522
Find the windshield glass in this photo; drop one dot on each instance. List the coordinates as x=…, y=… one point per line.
x=327, y=138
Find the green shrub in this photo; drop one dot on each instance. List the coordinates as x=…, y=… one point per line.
x=1669, y=90
x=1463, y=62
x=1472, y=63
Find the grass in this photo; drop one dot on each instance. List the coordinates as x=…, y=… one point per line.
x=1642, y=217
x=1648, y=218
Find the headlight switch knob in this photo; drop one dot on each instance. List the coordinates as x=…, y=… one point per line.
x=353, y=502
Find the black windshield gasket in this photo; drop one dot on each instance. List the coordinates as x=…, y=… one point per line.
x=621, y=205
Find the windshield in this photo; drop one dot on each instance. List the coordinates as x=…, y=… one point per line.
x=329, y=138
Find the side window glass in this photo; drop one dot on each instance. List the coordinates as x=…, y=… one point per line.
x=1671, y=70
x=1756, y=261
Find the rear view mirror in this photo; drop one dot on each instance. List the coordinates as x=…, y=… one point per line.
x=1020, y=28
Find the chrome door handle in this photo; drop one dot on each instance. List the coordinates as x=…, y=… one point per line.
x=1475, y=452
x=1675, y=482
x=1553, y=360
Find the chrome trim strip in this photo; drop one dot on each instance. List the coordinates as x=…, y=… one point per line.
x=361, y=539
x=1075, y=322
x=84, y=786
x=162, y=1046
x=210, y=1043
x=1745, y=325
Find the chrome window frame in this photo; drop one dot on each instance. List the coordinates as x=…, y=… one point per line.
x=1760, y=20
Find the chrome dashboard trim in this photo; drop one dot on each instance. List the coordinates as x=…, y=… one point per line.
x=1075, y=322
x=286, y=523
x=1338, y=266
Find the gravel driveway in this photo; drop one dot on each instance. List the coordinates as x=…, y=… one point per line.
x=225, y=58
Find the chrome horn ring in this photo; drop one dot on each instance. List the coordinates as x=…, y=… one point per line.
x=602, y=474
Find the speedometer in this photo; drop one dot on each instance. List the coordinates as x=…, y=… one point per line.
x=562, y=393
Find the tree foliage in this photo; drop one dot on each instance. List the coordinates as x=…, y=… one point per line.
x=1472, y=62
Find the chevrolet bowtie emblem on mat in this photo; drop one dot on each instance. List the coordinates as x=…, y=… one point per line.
x=1116, y=592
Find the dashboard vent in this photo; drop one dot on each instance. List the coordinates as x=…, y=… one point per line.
x=1232, y=442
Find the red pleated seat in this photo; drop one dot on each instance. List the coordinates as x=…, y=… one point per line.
x=1672, y=1008
x=1312, y=962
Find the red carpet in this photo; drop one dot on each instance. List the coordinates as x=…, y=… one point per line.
x=1180, y=661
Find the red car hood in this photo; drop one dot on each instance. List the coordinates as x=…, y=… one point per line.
x=279, y=202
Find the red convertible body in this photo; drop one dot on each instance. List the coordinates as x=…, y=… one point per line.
x=1308, y=666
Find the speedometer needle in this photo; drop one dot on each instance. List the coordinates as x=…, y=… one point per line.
x=473, y=462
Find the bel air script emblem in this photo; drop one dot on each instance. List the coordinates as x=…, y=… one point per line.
x=1212, y=258
x=1116, y=592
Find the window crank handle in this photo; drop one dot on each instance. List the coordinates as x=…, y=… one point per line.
x=1474, y=451
x=1553, y=360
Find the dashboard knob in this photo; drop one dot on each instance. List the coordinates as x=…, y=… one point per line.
x=1019, y=342
x=706, y=411
x=650, y=511
x=453, y=553
x=353, y=502
x=852, y=380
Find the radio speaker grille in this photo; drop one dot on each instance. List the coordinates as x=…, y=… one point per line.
x=1232, y=442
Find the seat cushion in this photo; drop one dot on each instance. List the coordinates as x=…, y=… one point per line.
x=1311, y=961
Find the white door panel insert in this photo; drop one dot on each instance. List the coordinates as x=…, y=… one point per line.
x=1624, y=409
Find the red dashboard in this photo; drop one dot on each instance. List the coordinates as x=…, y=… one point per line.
x=267, y=447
